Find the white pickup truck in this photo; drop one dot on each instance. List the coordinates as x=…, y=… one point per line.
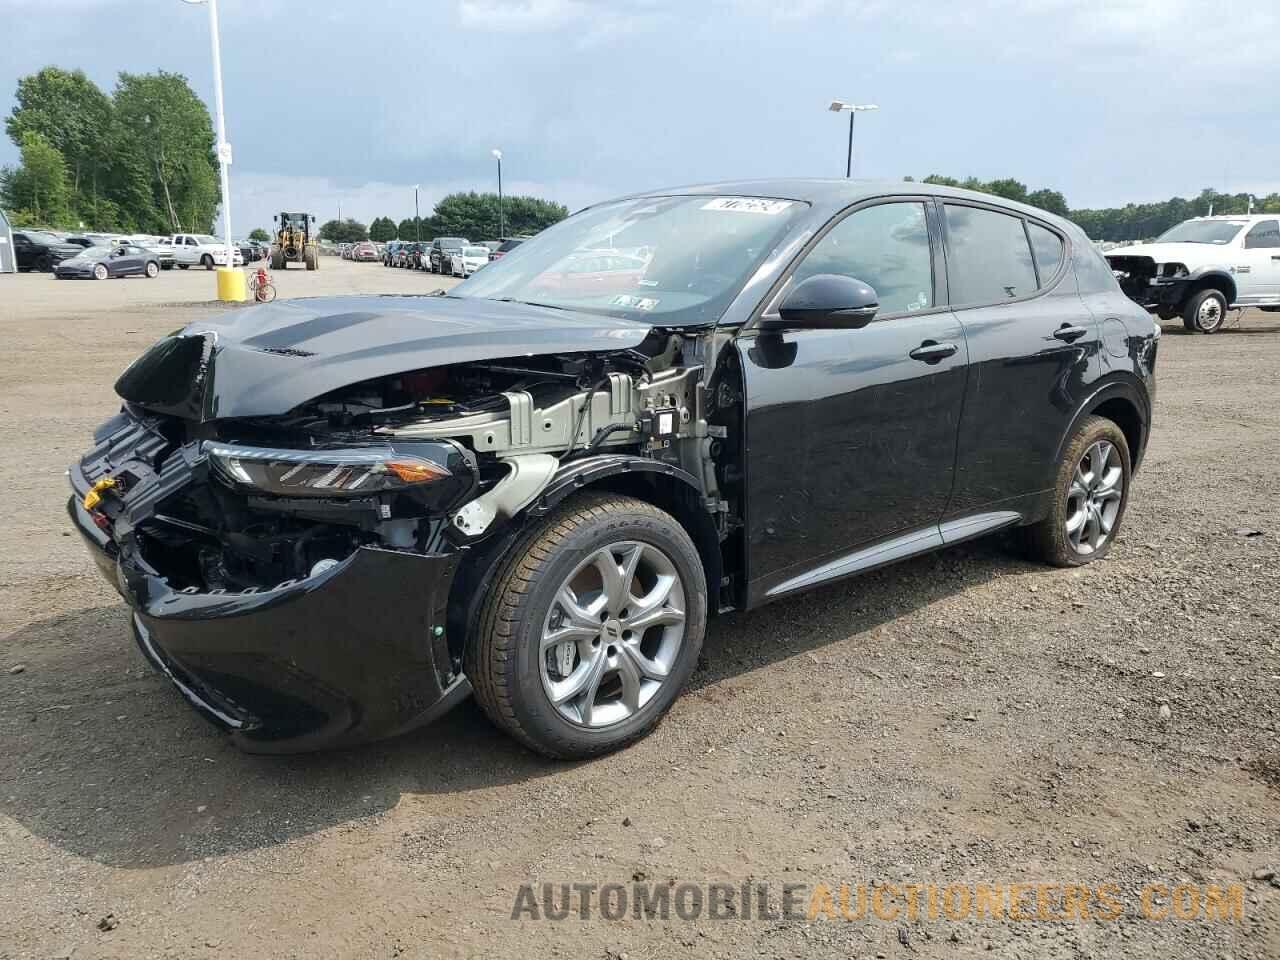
x=1203, y=267
x=199, y=249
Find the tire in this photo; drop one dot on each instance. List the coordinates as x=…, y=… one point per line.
x=166, y=266
x=207, y=262
x=265, y=293
x=512, y=679
x=45, y=264
x=277, y=261
x=1205, y=312
x=100, y=272
x=309, y=258
x=152, y=269
x=1050, y=540
x=183, y=266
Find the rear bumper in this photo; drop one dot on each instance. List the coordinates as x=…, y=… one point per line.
x=353, y=654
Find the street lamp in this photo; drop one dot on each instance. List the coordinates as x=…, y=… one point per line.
x=839, y=106
x=502, y=223
x=230, y=280
x=417, y=220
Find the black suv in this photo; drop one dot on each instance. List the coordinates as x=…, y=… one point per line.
x=34, y=250
x=336, y=518
x=442, y=249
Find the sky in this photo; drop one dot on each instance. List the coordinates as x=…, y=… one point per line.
x=351, y=104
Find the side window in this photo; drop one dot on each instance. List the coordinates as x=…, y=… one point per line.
x=990, y=259
x=1263, y=235
x=1047, y=246
x=886, y=247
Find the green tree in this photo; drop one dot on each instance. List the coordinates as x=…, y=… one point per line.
x=37, y=191
x=410, y=229
x=346, y=230
x=475, y=215
x=382, y=229
x=257, y=233
x=1050, y=200
x=73, y=116
x=171, y=131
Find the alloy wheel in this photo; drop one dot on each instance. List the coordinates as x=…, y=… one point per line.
x=612, y=634
x=1094, y=498
x=1209, y=316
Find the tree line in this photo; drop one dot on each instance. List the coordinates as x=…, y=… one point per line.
x=139, y=160
x=471, y=215
x=1134, y=221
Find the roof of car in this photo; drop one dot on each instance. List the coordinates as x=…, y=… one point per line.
x=1247, y=217
x=837, y=192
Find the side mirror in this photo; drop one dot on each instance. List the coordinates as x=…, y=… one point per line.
x=826, y=301
x=313, y=218
x=275, y=218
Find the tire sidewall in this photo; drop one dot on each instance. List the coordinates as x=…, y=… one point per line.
x=536, y=713
x=1193, y=310
x=1089, y=433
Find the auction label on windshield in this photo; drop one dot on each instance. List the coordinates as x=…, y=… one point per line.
x=747, y=205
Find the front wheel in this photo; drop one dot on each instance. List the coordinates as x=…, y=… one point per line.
x=1205, y=312
x=591, y=628
x=207, y=262
x=100, y=272
x=1090, y=494
x=153, y=269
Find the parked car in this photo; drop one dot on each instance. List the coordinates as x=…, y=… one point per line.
x=336, y=518
x=468, y=260
x=99, y=263
x=505, y=247
x=160, y=247
x=365, y=252
x=1203, y=267
x=83, y=242
x=200, y=249
x=442, y=248
x=36, y=250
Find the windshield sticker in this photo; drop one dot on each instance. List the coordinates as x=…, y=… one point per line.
x=747, y=205
x=635, y=303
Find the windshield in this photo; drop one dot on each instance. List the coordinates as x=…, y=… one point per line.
x=475, y=251
x=94, y=253
x=451, y=243
x=1202, y=231
x=35, y=236
x=666, y=259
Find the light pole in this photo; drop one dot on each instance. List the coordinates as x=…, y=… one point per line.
x=502, y=223
x=230, y=280
x=417, y=220
x=839, y=106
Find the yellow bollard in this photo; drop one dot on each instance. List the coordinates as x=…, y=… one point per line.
x=231, y=285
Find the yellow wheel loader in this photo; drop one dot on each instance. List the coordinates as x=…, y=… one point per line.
x=294, y=242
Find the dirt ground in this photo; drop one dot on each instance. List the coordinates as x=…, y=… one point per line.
x=965, y=718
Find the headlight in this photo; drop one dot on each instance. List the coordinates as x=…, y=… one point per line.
x=363, y=471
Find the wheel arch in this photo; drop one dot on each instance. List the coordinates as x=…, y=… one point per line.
x=1122, y=403
x=665, y=486
x=1216, y=279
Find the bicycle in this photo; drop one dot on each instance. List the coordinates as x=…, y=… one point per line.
x=260, y=285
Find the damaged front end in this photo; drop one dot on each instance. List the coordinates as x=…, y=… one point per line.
x=1160, y=287
x=290, y=570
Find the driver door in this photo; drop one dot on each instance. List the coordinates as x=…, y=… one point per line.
x=851, y=434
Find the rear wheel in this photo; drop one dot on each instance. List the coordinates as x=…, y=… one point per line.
x=591, y=628
x=1090, y=494
x=1205, y=312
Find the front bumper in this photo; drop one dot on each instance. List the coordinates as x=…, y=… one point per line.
x=352, y=654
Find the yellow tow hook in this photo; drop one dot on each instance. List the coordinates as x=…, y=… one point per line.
x=94, y=496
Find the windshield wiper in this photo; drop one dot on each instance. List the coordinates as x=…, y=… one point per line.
x=528, y=303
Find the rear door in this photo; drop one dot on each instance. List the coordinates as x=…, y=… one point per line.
x=851, y=434
x=1262, y=256
x=1033, y=352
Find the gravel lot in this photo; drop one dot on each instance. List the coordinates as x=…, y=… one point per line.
x=962, y=718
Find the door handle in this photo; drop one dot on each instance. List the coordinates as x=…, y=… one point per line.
x=1069, y=334
x=1274, y=257
x=933, y=352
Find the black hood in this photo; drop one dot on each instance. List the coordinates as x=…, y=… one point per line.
x=266, y=360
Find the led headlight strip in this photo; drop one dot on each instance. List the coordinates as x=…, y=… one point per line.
x=358, y=471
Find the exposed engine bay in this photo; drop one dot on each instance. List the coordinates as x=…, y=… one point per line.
x=426, y=461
